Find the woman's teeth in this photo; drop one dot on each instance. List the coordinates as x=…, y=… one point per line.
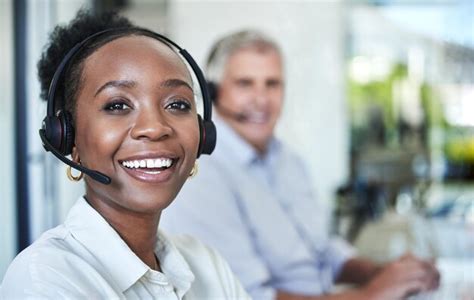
x=148, y=163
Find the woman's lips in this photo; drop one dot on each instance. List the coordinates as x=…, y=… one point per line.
x=151, y=174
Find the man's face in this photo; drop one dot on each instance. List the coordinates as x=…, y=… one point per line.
x=250, y=94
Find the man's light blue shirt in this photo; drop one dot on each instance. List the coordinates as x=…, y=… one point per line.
x=260, y=213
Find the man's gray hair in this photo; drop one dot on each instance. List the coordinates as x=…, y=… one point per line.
x=230, y=44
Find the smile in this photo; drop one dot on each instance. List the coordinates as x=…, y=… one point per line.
x=152, y=170
x=152, y=164
x=257, y=117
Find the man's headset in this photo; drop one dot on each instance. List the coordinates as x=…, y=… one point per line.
x=212, y=88
x=213, y=91
x=239, y=116
x=57, y=132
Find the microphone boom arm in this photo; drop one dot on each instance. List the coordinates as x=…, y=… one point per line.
x=96, y=175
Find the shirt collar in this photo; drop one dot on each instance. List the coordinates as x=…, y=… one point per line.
x=89, y=228
x=233, y=144
x=173, y=265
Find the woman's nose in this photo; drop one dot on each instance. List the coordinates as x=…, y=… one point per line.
x=151, y=125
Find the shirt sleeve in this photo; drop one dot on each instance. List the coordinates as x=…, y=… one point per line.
x=339, y=252
x=207, y=209
x=311, y=210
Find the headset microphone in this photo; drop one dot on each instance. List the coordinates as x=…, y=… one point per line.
x=96, y=175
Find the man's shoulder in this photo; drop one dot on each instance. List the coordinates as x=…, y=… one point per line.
x=201, y=258
x=189, y=246
x=198, y=255
x=288, y=150
x=213, y=176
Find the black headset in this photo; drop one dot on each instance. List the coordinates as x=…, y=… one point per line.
x=57, y=132
x=212, y=88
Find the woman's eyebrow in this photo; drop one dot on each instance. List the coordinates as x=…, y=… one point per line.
x=171, y=83
x=116, y=83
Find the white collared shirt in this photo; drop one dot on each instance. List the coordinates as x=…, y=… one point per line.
x=85, y=258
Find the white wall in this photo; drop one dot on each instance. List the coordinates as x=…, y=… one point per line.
x=311, y=34
x=64, y=193
x=51, y=193
x=7, y=158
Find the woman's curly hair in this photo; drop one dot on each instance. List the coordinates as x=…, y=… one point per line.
x=64, y=38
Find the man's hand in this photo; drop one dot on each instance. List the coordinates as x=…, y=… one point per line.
x=393, y=281
x=403, y=277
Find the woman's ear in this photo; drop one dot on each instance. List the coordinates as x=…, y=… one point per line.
x=75, y=154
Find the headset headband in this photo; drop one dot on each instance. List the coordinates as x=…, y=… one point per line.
x=207, y=113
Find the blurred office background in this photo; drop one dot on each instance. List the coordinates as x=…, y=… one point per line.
x=379, y=101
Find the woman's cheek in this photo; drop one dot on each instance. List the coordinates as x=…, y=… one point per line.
x=192, y=139
x=99, y=141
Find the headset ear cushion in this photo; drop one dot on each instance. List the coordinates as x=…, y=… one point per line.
x=68, y=133
x=208, y=136
x=53, y=131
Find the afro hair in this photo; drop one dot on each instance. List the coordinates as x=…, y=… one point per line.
x=65, y=37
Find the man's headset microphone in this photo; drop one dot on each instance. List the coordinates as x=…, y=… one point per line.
x=57, y=132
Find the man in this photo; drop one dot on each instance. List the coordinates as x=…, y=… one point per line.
x=252, y=199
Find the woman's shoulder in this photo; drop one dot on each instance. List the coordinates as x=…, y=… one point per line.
x=47, y=268
x=48, y=246
x=29, y=265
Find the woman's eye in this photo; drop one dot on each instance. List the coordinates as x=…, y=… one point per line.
x=116, y=106
x=180, y=105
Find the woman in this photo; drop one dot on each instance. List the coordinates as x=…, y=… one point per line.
x=130, y=100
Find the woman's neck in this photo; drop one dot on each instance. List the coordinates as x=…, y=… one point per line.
x=140, y=234
x=138, y=230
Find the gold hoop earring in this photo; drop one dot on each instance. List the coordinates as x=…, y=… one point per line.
x=194, y=170
x=72, y=177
